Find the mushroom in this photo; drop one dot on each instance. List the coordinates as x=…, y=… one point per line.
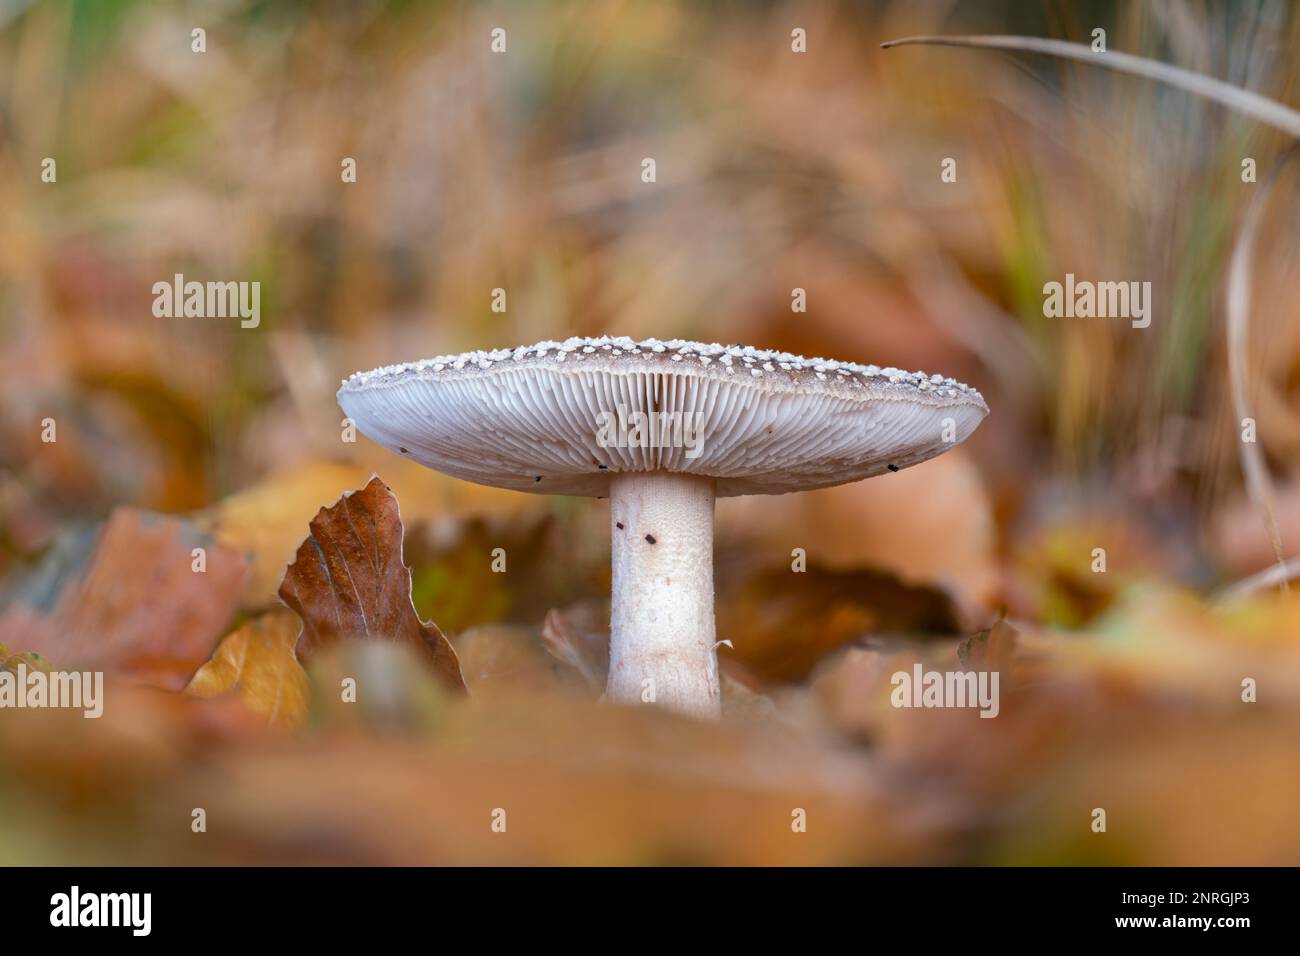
x=661, y=429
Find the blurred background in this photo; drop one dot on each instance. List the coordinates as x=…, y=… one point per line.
x=775, y=170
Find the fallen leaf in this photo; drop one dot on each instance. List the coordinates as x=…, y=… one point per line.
x=851, y=690
x=580, y=783
x=349, y=582
x=1176, y=641
x=932, y=523
x=782, y=623
x=1075, y=563
x=1161, y=784
x=137, y=608
x=257, y=662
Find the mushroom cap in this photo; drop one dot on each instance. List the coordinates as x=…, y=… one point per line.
x=561, y=417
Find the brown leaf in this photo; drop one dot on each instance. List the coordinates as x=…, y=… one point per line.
x=588, y=784
x=852, y=689
x=782, y=623
x=349, y=582
x=139, y=610
x=257, y=662
x=931, y=524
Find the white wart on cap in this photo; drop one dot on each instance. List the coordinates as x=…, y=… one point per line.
x=662, y=429
x=766, y=422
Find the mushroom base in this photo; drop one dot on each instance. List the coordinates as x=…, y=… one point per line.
x=662, y=647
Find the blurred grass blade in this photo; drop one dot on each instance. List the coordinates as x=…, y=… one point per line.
x=1242, y=101
x=1238, y=293
x=1258, y=483
x=1269, y=577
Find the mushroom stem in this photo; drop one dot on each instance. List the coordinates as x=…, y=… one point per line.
x=662, y=647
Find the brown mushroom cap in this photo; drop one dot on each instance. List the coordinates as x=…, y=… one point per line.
x=766, y=422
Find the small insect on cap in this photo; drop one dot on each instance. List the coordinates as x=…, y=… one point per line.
x=562, y=417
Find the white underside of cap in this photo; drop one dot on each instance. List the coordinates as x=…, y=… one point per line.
x=553, y=420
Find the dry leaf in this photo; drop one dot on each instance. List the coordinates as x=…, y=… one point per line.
x=580, y=783
x=141, y=609
x=782, y=623
x=349, y=582
x=930, y=524
x=258, y=663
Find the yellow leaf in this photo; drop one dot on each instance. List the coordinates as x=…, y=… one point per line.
x=257, y=662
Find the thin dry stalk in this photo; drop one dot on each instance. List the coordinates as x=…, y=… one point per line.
x=1258, y=483
x=1234, y=97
